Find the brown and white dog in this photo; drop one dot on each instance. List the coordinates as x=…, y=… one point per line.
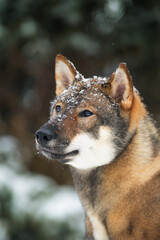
x=101, y=128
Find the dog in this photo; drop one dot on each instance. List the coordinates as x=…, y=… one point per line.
x=101, y=128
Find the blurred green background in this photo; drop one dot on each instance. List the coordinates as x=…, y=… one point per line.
x=37, y=200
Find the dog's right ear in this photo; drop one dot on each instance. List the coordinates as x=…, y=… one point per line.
x=65, y=73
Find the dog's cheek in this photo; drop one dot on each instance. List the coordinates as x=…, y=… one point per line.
x=93, y=152
x=86, y=123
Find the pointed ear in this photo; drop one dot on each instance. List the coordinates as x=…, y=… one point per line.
x=65, y=73
x=121, y=87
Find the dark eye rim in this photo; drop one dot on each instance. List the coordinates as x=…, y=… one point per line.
x=58, y=108
x=85, y=113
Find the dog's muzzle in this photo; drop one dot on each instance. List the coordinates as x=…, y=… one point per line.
x=44, y=136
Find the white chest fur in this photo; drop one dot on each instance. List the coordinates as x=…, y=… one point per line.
x=99, y=231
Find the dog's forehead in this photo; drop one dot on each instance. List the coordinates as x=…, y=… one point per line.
x=87, y=89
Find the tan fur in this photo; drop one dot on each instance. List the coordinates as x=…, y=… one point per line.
x=138, y=111
x=125, y=181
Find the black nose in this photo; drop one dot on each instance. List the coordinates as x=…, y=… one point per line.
x=45, y=134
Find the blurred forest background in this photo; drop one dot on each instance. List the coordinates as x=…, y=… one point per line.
x=96, y=35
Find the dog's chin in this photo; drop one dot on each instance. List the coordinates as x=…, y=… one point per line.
x=63, y=158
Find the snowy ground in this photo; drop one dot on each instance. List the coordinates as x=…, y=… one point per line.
x=32, y=206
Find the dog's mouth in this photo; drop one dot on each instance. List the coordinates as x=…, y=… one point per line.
x=64, y=158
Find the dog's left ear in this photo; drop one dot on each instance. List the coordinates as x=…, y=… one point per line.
x=65, y=73
x=121, y=87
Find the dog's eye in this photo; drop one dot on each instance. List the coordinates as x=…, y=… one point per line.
x=58, y=108
x=85, y=113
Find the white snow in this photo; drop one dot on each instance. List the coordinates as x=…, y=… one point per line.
x=63, y=204
x=33, y=194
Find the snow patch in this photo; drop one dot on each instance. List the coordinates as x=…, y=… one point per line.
x=34, y=195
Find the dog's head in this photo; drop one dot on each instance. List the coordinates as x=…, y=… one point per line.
x=89, y=119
